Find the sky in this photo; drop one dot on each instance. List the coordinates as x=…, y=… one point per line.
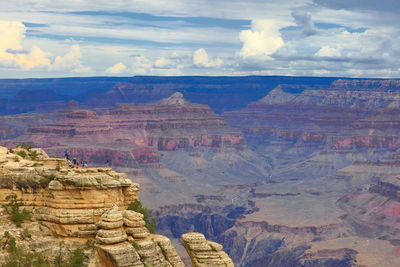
x=53, y=38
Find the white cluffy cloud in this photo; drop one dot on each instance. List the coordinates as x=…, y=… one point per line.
x=201, y=59
x=141, y=65
x=13, y=54
x=262, y=40
x=327, y=51
x=117, y=68
x=70, y=61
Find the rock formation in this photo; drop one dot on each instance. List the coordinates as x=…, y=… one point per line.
x=334, y=152
x=77, y=205
x=136, y=133
x=312, y=186
x=203, y=252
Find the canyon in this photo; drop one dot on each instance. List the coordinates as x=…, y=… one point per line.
x=283, y=171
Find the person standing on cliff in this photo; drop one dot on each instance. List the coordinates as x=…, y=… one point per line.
x=66, y=154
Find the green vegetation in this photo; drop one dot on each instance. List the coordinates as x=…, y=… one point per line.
x=151, y=224
x=73, y=258
x=135, y=245
x=13, y=209
x=76, y=258
x=26, y=234
x=34, y=155
x=48, y=178
x=20, y=257
x=22, y=153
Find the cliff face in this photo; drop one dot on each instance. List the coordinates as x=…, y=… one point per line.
x=77, y=205
x=296, y=194
x=220, y=93
x=332, y=195
x=142, y=131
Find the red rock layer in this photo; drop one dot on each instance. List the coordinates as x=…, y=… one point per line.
x=170, y=124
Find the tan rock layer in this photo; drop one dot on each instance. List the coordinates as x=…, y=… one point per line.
x=91, y=203
x=204, y=253
x=69, y=200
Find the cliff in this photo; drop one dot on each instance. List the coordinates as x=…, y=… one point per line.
x=135, y=133
x=79, y=208
x=335, y=158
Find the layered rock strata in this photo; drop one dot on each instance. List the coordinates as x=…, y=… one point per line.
x=77, y=205
x=204, y=252
x=129, y=135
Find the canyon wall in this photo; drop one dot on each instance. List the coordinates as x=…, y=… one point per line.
x=72, y=206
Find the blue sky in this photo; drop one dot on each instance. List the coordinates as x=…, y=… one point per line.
x=52, y=38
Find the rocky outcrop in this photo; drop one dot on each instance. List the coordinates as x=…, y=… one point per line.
x=74, y=206
x=135, y=225
x=203, y=252
x=68, y=200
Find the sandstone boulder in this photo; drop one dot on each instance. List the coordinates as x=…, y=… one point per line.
x=111, y=231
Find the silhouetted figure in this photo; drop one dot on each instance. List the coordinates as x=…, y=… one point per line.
x=66, y=154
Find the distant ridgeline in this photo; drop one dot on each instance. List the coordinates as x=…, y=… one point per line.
x=220, y=93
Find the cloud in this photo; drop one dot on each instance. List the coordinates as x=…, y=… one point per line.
x=144, y=66
x=382, y=5
x=201, y=59
x=262, y=40
x=117, y=68
x=327, y=51
x=355, y=35
x=194, y=8
x=17, y=51
x=304, y=20
x=11, y=35
x=70, y=61
x=163, y=63
x=36, y=58
x=12, y=53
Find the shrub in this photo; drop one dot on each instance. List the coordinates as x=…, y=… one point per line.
x=19, y=257
x=34, y=155
x=151, y=223
x=76, y=258
x=73, y=258
x=47, y=178
x=26, y=234
x=22, y=153
x=13, y=209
